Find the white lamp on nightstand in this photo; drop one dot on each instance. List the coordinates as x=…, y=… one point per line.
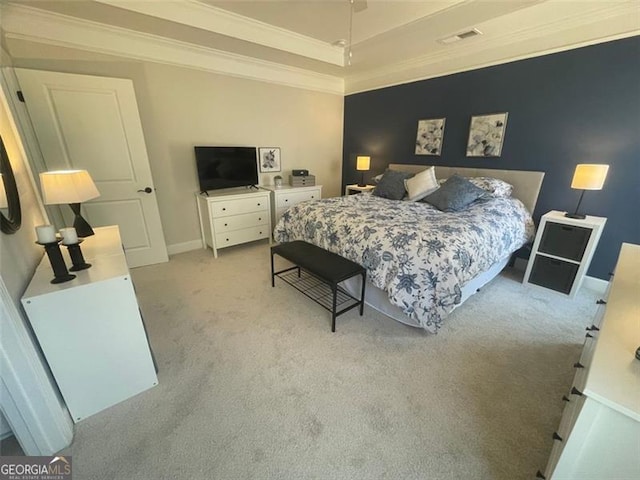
x=363, y=164
x=587, y=177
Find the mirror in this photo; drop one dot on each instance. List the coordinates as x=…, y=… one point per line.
x=10, y=213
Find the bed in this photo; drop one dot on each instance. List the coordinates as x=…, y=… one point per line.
x=421, y=262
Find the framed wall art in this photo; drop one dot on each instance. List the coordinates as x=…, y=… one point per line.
x=486, y=135
x=429, y=137
x=269, y=159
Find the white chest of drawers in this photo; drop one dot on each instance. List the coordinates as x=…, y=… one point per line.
x=285, y=197
x=599, y=433
x=233, y=216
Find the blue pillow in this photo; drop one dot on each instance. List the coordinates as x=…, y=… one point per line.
x=391, y=185
x=455, y=194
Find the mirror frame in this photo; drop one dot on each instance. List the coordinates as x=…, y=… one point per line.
x=11, y=222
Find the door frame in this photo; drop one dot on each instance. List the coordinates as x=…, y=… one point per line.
x=35, y=160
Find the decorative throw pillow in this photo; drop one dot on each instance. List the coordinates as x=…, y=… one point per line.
x=455, y=194
x=421, y=184
x=391, y=185
x=495, y=186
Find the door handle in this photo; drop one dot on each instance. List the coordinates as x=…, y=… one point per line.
x=146, y=190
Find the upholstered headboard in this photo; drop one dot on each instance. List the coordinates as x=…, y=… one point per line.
x=526, y=184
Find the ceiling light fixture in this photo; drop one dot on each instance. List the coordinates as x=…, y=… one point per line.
x=349, y=53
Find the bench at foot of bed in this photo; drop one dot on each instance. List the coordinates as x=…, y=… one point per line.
x=316, y=273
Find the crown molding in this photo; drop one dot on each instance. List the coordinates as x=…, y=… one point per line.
x=207, y=17
x=614, y=22
x=35, y=25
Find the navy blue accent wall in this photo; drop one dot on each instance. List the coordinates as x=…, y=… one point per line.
x=579, y=106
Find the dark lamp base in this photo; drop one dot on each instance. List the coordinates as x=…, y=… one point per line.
x=577, y=216
x=63, y=278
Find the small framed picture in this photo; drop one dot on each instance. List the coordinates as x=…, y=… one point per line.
x=486, y=135
x=269, y=159
x=429, y=137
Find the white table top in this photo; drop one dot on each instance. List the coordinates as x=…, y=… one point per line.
x=614, y=375
x=103, y=251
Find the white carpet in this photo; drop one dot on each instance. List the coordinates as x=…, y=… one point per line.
x=253, y=384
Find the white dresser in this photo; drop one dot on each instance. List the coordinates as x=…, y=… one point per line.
x=286, y=196
x=90, y=329
x=233, y=216
x=599, y=433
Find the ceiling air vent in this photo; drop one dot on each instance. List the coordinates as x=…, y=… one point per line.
x=460, y=36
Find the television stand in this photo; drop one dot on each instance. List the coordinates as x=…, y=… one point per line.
x=233, y=216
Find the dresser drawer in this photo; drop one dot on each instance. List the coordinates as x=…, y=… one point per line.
x=290, y=199
x=226, y=239
x=566, y=241
x=239, y=206
x=239, y=222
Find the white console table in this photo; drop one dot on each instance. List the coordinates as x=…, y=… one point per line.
x=599, y=434
x=90, y=329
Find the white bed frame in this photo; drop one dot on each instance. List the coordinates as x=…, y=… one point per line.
x=526, y=188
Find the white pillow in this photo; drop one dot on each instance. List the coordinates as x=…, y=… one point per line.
x=421, y=184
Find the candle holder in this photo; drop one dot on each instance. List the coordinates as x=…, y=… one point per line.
x=76, y=256
x=61, y=274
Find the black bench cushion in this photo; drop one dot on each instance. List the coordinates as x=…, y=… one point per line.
x=327, y=265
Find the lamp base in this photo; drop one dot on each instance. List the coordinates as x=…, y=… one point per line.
x=577, y=216
x=83, y=229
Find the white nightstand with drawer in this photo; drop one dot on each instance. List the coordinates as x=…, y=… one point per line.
x=233, y=216
x=286, y=196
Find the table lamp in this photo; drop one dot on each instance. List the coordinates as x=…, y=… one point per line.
x=587, y=177
x=362, y=165
x=72, y=187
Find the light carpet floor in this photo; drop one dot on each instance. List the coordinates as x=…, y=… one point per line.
x=253, y=384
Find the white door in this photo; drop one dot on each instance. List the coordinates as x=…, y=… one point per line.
x=93, y=123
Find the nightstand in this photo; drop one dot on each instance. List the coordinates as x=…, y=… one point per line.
x=355, y=188
x=562, y=252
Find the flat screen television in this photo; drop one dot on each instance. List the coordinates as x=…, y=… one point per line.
x=226, y=167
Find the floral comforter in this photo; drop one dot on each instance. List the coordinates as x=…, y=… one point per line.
x=420, y=256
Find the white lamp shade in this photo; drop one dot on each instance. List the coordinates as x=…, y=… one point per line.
x=67, y=186
x=589, y=176
x=363, y=162
x=3, y=194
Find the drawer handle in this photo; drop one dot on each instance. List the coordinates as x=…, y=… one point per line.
x=227, y=239
x=225, y=224
x=260, y=233
x=259, y=218
x=592, y=328
x=223, y=209
x=540, y=475
x=601, y=302
x=578, y=365
x=258, y=204
x=575, y=391
x=312, y=196
x=286, y=199
x=555, y=436
x=565, y=398
x=588, y=335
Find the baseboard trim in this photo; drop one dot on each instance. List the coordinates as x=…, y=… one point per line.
x=184, y=247
x=596, y=284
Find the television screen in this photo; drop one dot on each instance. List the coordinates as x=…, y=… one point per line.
x=226, y=167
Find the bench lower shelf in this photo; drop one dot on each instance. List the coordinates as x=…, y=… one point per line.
x=318, y=291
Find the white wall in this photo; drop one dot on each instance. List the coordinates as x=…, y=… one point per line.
x=180, y=108
x=37, y=402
